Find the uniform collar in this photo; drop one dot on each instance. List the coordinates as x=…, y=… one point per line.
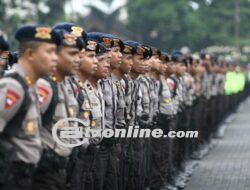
x=25, y=76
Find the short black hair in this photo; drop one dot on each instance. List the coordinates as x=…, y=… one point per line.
x=23, y=46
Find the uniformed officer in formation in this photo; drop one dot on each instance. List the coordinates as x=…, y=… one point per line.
x=21, y=145
x=4, y=53
x=107, y=83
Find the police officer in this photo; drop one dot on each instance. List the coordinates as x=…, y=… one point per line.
x=91, y=104
x=22, y=146
x=4, y=53
x=57, y=102
x=116, y=47
x=166, y=121
x=107, y=161
x=140, y=111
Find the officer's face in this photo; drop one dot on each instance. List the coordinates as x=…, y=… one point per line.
x=183, y=68
x=137, y=64
x=103, y=67
x=155, y=64
x=43, y=58
x=179, y=69
x=193, y=69
x=115, y=57
x=88, y=62
x=147, y=65
x=172, y=68
x=68, y=60
x=126, y=64
x=163, y=68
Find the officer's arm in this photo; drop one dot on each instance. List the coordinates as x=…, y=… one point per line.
x=45, y=92
x=11, y=98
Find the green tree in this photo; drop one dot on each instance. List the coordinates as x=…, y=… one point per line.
x=170, y=24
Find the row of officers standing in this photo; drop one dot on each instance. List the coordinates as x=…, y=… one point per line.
x=65, y=72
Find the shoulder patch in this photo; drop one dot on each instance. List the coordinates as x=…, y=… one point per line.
x=11, y=98
x=43, y=94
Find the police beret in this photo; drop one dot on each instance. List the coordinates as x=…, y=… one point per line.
x=148, y=52
x=204, y=55
x=139, y=48
x=116, y=42
x=91, y=45
x=101, y=49
x=128, y=48
x=107, y=40
x=155, y=51
x=64, y=38
x=177, y=56
x=4, y=46
x=165, y=56
x=35, y=33
x=96, y=36
x=72, y=29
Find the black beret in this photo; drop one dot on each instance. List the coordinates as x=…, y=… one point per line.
x=35, y=33
x=72, y=29
x=204, y=55
x=101, y=49
x=128, y=49
x=139, y=49
x=155, y=51
x=107, y=40
x=64, y=38
x=148, y=52
x=91, y=45
x=177, y=56
x=165, y=56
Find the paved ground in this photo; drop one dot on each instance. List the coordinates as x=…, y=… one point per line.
x=227, y=166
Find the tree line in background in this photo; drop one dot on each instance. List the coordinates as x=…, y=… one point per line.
x=166, y=24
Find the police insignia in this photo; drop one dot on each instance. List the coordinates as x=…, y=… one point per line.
x=107, y=42
x=92, y=45
x=30, y=128
x=42, y=94
x=93, y=123
x=85, y=115
x=11, y=99
x=28, y=80
x=116, y=42
x=77, y=31
x=69, y=39
x=87, y=105
x=43, y=33
x=167, y=101
x=127, y=49
x=140, y=50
